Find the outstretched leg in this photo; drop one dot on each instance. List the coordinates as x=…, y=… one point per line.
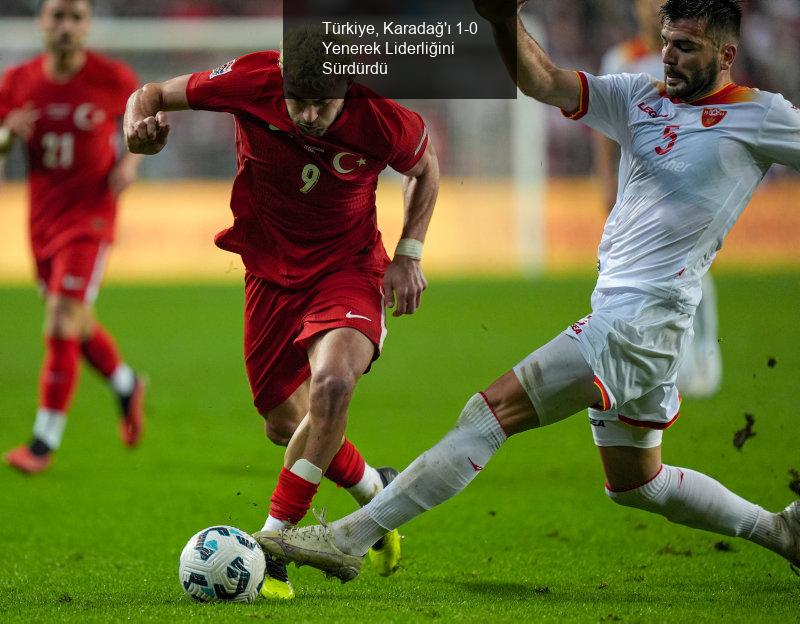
x=637, y=478
x=565, y=386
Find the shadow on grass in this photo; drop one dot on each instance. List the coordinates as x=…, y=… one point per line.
x=503, y=589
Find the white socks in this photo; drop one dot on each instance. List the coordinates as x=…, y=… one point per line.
x=123, y=380
x=695, y=500
x=437, y=475
x=368, y=487
x=49, y=427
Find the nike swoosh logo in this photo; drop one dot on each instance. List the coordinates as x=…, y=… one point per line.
x=350, y=315
x=475, y=467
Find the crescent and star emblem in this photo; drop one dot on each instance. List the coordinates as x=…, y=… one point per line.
x=337, y=162
x=87, y=116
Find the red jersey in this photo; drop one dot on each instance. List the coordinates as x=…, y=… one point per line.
x=304, y=206
x=73, y=147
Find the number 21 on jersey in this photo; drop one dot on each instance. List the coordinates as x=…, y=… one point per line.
x=59, y=150
x=671, y=136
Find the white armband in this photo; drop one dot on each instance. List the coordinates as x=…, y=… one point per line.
x=410, y=247
x=5, y=139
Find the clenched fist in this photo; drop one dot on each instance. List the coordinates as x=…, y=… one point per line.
x=147, y=136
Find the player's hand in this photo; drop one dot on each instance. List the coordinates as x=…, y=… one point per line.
x=497, y=11
x=403, y=285
x=148, y=135
x=21, y=121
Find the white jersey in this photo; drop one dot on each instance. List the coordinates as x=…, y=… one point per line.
x=632, y=57
x=687, y=172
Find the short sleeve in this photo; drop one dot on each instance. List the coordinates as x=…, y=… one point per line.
x=779, y=138
x=7, y=103
x=408, y=136
x=232, y=87
x=605, y=101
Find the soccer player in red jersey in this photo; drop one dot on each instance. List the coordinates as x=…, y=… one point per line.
x=65, y=105
x=310, y=149
x=621, y=361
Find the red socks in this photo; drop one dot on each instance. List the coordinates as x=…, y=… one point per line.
x=101, y=351
x=347, y=466
x=59, y=373
x=292, y=497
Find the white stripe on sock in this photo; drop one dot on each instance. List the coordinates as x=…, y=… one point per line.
x=49, y=426
x=123, y=380
x=368, y=487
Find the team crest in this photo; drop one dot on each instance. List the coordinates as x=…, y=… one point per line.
x=712, y=116
x=347, y=162
x=224, y=69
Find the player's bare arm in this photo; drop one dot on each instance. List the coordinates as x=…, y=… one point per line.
x=145, y=125
x=6, y=141
x=404, y=281
x=19, y=123
x=124, y=173
x=528, y=64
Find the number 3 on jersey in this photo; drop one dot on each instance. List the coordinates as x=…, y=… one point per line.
x=310, y=177
x=59, y=150
x=671, y=135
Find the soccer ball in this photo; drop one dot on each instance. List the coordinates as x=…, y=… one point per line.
x=222, y=563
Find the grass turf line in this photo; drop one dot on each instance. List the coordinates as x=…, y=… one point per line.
x=98, y=538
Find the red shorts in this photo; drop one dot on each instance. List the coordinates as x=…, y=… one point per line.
x=74, y=271
x=280, y=322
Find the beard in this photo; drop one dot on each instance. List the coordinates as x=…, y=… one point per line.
x=696, y=85
x=315, y=131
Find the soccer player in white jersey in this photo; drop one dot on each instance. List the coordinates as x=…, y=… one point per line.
x=694, y=148
x=700, y=372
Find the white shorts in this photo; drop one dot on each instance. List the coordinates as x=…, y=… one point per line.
x=629, y=349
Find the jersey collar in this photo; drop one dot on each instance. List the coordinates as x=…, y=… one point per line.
x=717, y=97
x=727, y=94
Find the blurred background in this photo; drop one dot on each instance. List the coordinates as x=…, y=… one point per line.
x=518, y=193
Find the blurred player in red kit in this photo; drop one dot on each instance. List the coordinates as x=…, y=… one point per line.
x=65, y=105
x=310, y=148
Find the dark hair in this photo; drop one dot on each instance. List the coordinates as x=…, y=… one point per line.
x=722, y=18
x=302, y=58
x=41, y=3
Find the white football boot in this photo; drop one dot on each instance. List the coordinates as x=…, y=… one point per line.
x=789, y=521
x=313, y=546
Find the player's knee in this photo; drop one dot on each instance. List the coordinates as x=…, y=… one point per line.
x=279, y=431
x=332, y=390
x=475, y=403
x=636, y=498
x=64, y=318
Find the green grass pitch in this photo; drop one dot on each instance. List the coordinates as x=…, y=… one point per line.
x=534, y=538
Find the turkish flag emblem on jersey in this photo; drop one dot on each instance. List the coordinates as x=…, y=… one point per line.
x=712, y=116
